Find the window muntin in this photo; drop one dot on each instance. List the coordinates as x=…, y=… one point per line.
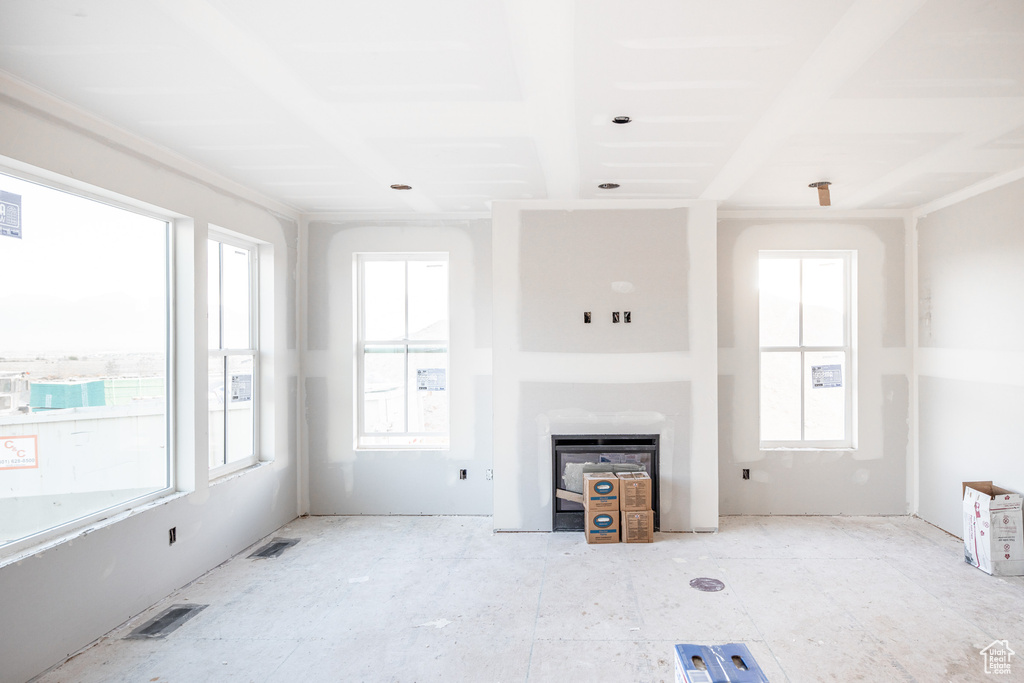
x=806, y=353
x=402, y=351
x=233, y=378
x=84, y=427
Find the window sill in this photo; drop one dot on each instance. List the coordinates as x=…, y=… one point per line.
x=812, y=449
x=87, y=528
x=233, y=473
x=414, y=449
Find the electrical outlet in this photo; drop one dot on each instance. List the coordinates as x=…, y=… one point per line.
x=488, y=474
x=746, y=474
x=462, y=474
x=626, y=315
x=586, y=317
x=172, y=535
x=615, y=317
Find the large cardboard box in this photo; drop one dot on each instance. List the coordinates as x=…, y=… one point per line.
x=637, y=526
x=601, y=526
x=635, y=491
x=601, y=492
x=993, y=529
x=730, y=663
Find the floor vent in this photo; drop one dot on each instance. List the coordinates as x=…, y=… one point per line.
x=166, y=622
x=274, y=548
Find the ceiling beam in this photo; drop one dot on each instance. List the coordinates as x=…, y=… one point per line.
x=1000, y=118
x=261, y=66
x=864, y=28
x=971, y=191
x=543, y=42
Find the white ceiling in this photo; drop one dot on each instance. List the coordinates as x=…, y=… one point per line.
x=322, y=104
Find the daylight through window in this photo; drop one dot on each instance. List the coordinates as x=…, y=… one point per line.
x=806, y=360
x=402, y=351
x=83, y=359
x=233, y=379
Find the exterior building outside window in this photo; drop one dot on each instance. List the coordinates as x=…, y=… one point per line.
x=84, y=360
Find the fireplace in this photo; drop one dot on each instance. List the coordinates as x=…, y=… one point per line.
x=623, y=449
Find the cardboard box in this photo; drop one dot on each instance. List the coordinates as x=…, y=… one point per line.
x=635, y=491
x=993, y=529
x=637, y=526
x=601, y=492
x=601, y=526
x=731, y=663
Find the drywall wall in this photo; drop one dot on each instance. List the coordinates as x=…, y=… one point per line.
x=556, y=374
x=971, y=357
x=872, y=477
x=60, y=599
x=574, y=253
x=346, y=480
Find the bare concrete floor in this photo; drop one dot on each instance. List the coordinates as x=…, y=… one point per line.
x=445, y=599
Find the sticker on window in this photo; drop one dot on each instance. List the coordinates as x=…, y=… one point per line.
x=430, y=379
x=826, y=376
x=241, y=388
x=10, y=214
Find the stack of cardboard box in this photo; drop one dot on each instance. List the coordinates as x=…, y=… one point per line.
x=601, y=507
x=635, y=506
x=618, y=503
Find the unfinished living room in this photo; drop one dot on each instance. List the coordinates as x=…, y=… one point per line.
x=509, y=340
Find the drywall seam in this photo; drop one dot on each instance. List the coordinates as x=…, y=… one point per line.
x=990, y=367
x=604, y=368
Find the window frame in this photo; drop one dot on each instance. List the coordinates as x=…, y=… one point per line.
x=849, y=260
x=39, y=541
x=224, y=237
x=360, y=433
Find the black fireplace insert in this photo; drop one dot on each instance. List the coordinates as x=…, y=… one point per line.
x=623, y=449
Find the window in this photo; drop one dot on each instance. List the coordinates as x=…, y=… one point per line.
x=806, y=359
x=402, y=351
x=84, y=360
x=233, y=378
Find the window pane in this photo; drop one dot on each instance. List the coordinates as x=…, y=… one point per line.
x=240, y=402
x=384, y=396
x=213, y=293
x=780, y=396
x=779, y=302
x=83, y=344
x=384, y=300
x=215, y=403
x=825, y=396
x=235, y=295
x=428, y=389
x=824, y=302
x=428, y=300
